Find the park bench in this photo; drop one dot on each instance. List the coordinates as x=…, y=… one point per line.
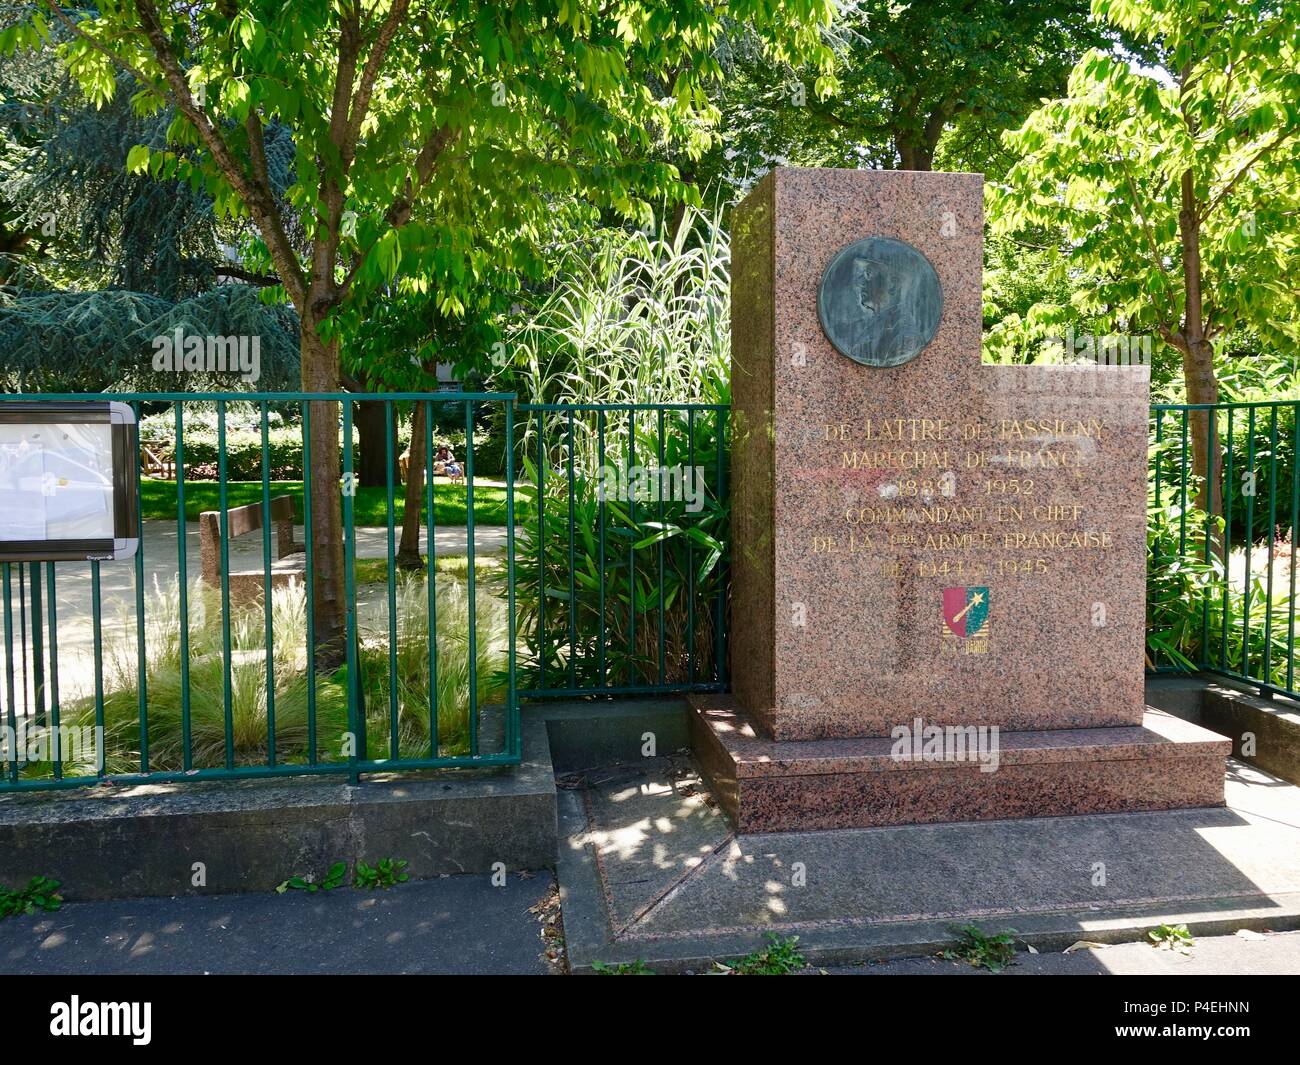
x=287, y=563
x=154, y=465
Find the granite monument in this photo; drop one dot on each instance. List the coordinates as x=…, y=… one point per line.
x=925, y=546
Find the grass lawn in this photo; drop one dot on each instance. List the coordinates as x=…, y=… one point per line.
x=375, y=570
x=158, y=501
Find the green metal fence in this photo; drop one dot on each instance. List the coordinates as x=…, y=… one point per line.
x=1224, y=507
x=145, y=670
x=608, y=574
x=623, y=554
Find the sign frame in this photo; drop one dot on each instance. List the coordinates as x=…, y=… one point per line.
x=124, y=435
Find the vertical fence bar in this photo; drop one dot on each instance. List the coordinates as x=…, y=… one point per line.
x=631, y=549
x=223, y=501
x=663, y=648
x=268, y=585
x=470, y=576
x=1295, y=527
x=356, y=710
x=1212, y=451
x=142, y=693
x=1253, y=482
x=720, y=608
x=1182, y=496
x=1159, y=456
x=38, y=646
x=52, y=615
x=1272, y=535
x=393, y=730
x=10, y=696
x=573, y=588
x=513, y=745
x=1226, y=606
x=690, y=555
x=97, y=627
x=433, y=583
x=183, y=590
x=600, y=506
x=309, y=581
x=541, y=549
x=22, y=633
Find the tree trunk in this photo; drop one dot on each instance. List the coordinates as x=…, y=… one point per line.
x=372, y=445
x=320, y=373
x=408, y=551
x=1198, y=358
x=913, y=156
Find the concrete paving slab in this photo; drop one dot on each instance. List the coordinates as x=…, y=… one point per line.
x=450, y=925
x=642, y=876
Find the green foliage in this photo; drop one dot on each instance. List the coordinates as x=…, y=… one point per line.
x=623, y=968
x=1257, y=496
x=781, y=957
x=1030, y=302
x=243, y=449
x=104, y=341
x=1103, y=170
x=1172, y=937
x=632, y=319
x=76, y=218
x=1203, y=611
x=40, y=894
x=991, y=952
x=1179, y=578
x=384, y=874
x=334, y=877
x=249, y=715
x=164, y=683
x=1248, y=374
x=916, y=85
x=410, y=673
x=639, y=567
x=476, y=121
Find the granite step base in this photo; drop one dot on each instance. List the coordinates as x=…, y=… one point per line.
x=769, y=786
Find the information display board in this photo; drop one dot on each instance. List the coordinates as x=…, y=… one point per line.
x=67, y=481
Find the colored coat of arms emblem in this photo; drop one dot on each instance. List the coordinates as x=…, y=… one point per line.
x=966, y=617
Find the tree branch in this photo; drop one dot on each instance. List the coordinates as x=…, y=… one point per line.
x=400, y=212
x=256, y=193
x=370, y=73
x=1245, y=169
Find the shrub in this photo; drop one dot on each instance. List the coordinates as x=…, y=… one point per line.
x=635, y=320
x=249, y=704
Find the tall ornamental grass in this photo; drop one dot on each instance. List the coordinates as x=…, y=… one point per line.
x=249, y=733
x=618, y=587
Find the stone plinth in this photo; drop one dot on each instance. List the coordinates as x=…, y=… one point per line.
x=935, y=539
x=767, y=786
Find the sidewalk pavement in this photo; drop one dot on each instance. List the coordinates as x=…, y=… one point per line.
x=450, y=925
x=1244, y=954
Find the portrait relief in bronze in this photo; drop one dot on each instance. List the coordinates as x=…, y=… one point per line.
x=880, y=301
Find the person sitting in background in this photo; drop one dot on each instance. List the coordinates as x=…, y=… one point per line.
x=444, y=462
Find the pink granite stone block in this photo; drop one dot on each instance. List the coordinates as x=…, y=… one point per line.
x=861, y=493
x=775, y=786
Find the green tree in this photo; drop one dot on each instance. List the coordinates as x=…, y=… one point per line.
x=1176, y=185
x=417, y=126
x=911, y=78
x=103, y=341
